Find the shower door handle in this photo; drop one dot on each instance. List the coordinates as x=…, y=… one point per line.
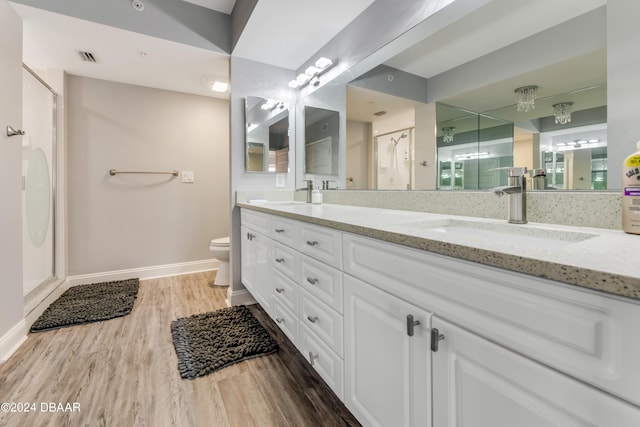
x=11, y=131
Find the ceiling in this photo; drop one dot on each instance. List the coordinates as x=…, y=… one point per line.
x=282, y=33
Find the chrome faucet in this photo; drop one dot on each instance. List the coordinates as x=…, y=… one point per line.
x=309, y=188
x=517, y=194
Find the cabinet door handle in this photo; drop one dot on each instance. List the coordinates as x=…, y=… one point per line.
x=410, y=324
x=312, y=357
x=312, y=242
x=312, y=280
x=279, y=260
x=279, y=320
x=279, y=230
x=312, y=319
x=251, y=236
x=436, y=337
x=279, y=290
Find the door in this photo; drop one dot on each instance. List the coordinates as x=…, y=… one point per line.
x=11, y=306
x=387, y=370
x=477, y=384
x=256, y=270
x=39, y=171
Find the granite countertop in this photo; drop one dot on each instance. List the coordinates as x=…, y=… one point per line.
x=601, y=259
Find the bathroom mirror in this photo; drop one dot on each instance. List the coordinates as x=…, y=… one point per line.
x=321, y=141
x=565, y=58
x=266, y=135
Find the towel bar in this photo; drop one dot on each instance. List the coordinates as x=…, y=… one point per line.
x=115, y=172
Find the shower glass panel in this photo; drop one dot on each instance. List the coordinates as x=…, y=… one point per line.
x=395, y=160
x=38, y=184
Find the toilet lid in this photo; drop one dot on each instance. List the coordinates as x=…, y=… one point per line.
x=223, y=241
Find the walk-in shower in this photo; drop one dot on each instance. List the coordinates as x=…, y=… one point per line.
x=394, y=160
x=39, y=154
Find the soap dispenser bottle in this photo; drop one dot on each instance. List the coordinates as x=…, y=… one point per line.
x=316, y=195
x=631, y=193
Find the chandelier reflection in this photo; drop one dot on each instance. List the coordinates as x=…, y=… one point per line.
x=526, y=98
x=562, y=112
x=447, y=134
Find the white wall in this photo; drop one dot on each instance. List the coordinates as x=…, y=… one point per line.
x=134, y=221
x=12, y=329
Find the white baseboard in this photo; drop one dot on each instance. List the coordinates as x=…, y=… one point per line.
x=13, y=339
x=239, y=297
x=151, y=272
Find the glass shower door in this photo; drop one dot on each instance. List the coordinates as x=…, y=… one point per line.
x=38, y=184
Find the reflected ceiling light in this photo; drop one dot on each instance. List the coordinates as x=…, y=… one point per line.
x=526, y=98
x=216, y=84
x=562, y=112
x=447, y=134
x=593, y=141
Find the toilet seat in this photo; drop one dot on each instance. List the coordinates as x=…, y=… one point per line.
x=221, y=242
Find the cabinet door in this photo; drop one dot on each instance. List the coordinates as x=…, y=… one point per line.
x=477, y=384
x=387, y=371
x=256, y=270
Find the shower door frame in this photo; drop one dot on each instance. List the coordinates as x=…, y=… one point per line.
x=376, y=162
x=54, y=177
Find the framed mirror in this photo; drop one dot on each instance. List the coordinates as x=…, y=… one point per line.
x=266, y=135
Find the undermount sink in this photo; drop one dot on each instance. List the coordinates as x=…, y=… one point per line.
x=521, y=235
x=281, y=203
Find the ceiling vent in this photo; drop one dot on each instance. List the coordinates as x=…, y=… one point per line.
x=380, y=113
x=87, y=56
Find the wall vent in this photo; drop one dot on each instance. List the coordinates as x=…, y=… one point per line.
x=87, y=56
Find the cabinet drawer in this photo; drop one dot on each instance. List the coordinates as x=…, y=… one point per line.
x=286, y=320
x=322, y=243
x=285, y=291
x=322, y=281
x=284, y=230
x=322, y=320
x=327, y=363
x=585, y=334
x=285, y=260
x=256, y=221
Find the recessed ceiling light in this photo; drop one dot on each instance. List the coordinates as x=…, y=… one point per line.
x=219, y=86
x=137, y=5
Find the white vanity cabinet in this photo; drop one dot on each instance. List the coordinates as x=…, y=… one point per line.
x=477, y=383
x=255, y=265
x=387, y=358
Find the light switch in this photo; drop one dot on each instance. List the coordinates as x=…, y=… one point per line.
x=187, y=176
x=280, y=180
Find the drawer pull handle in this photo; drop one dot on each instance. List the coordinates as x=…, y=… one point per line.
x=436, y=337
x=279, y=230
x=279, y=320
x=312, y=319
x=312, y=357
x=312, y=280
x=312, y=243
x=279, y=260
x=279, y=290
x=410, y=324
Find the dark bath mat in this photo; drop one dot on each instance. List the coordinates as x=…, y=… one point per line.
x=210, y=341
x=89, y=303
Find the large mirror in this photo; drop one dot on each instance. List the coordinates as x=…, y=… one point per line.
x=267, y=135
x=443, y=115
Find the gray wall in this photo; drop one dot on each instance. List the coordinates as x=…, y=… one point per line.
x=623, y=85
x=252, y=78
x=132, y=221
x=11, y=307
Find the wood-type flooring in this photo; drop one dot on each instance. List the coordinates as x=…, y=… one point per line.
x=123, y=372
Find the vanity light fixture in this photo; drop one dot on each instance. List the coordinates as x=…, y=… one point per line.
x=447, y=134
x=526, y=98
x=311, y=74
x=562, y=112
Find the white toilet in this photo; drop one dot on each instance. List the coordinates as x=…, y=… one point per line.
x=220, y=250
